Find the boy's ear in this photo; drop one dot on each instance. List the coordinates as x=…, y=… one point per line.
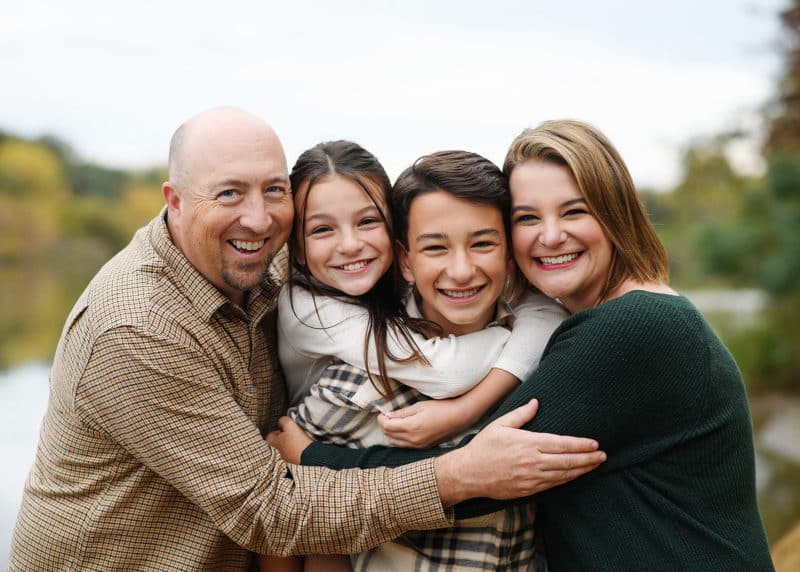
x=402, y=259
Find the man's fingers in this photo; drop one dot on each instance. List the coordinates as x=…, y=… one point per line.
x=517, y=417
x=569, y=475
x=550, y=443
x=571, y=461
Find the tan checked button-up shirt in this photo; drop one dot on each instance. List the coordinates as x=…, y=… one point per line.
x=151, y=454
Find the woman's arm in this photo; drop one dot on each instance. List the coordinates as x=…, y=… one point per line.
x=609, y=373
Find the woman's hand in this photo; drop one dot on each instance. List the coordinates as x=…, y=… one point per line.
x=290, y=440
x=424, y=424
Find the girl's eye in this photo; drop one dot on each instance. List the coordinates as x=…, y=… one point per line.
x=319, y=230
x=368, y=221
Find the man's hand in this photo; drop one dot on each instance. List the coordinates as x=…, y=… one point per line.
x=290, y=440
x=504, y=462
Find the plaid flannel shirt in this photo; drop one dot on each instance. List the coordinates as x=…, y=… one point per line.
x=151, y=453
x=342, y=409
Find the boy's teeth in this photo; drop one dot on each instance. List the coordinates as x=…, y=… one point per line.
x=354, y=265
x=558, y=259
x=461, y=293
x=246, y=245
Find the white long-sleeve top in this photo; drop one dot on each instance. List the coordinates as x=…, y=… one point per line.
x=311, y=337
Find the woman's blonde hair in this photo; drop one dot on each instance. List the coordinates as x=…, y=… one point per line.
x=607, y=188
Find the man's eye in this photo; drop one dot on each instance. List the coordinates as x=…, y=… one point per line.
x=275, y=191
x=227, y=194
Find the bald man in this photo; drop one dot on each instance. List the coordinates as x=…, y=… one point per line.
x=165, y=382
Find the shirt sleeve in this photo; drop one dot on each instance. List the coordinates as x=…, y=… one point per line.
x=168, y=407
x=335, y=328
x=535, y=319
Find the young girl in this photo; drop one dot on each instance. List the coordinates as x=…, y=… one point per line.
x=342, y=308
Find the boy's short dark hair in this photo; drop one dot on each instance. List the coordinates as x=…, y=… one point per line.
x=464, y=175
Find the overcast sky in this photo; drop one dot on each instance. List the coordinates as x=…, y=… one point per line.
x=403, y=78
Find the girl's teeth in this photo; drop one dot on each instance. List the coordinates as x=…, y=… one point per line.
x=354, y=265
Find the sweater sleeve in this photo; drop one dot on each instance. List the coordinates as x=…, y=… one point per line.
x=335, y=328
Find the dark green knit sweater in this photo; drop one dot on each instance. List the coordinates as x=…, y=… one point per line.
x=646, y=376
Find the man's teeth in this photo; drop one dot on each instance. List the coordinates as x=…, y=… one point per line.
x=461, y=293
x=354, y=265
x=246, y=245
x=558, y=259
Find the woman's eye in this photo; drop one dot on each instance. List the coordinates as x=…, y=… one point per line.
x=526, y=218
x=575, y=212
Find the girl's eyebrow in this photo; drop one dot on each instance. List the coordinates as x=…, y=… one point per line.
x=359, y=212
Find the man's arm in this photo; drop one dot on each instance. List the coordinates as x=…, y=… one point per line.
x=168, y=407
x=501, y=462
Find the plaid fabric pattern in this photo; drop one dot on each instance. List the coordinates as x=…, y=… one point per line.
x=343, y=406
x=151, y=452
x=337, y=412
x=501, y=541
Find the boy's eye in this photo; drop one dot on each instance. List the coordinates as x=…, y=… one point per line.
x=433, y=248
x=484, y=244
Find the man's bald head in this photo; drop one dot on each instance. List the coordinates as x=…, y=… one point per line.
x=201, y=131
x=229, y=201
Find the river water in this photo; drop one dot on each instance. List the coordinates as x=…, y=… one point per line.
x=23, y=398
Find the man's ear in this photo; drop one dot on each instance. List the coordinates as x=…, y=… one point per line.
x=402, y=259
x=171, y=197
